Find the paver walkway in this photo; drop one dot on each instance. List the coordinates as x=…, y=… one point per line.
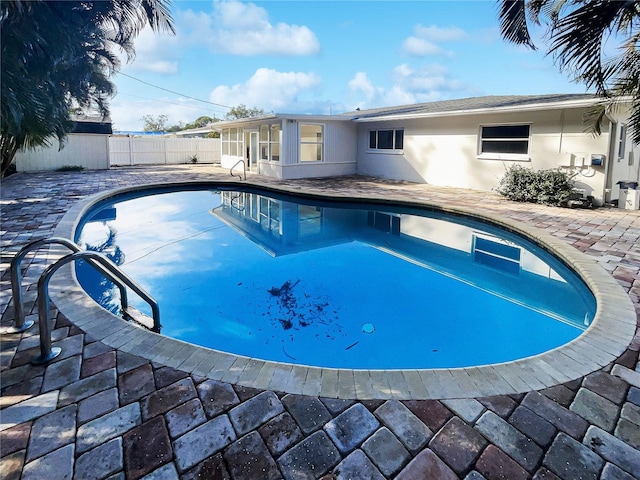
x=99, y=413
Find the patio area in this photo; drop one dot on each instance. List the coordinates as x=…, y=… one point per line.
x=98, y=412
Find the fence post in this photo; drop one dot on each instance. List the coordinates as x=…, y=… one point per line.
x=164, y=147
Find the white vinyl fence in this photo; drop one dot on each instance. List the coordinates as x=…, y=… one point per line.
x=162, y=151
x=84, y=150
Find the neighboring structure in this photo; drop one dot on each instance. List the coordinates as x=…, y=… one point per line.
x=200, y=132
x=466, y=143
x=86, y=146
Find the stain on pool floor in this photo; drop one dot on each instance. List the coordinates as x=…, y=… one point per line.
x=96, y=412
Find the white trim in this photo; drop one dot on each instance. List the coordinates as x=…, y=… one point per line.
x=314, y=164
x=381, y=151
x=300, y=143
x=511, y=157
x=479, y=111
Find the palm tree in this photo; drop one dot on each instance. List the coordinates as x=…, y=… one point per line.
x=56, y=56
x=579, y=35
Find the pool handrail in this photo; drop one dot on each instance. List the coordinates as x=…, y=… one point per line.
x=111, y=270
x=244, y=169
x=20, y=325
x=16, y=280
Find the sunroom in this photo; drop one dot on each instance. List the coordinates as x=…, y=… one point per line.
x=289, y=146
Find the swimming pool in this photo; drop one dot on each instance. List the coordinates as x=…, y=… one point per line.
x=371, y=286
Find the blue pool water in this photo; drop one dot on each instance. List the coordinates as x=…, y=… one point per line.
x=334, y=284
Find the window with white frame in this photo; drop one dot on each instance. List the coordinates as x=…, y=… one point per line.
x=231, y=140
x=309, y=221
x=263, y=141
x=389, y=139
x=311, y=142
x=496, y=253
x=274, y=142
x=622, y=141
x=269, y=142
x=224, y=138
x=509, y=139
x=269, y=215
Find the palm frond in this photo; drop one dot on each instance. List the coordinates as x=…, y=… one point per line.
x=594, y=118
x=513, y=22
x=578, y=38
x=55, y=54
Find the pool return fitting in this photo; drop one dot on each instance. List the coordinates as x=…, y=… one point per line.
x=98, y=261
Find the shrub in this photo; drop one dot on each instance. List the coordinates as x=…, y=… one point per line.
x=550, y=187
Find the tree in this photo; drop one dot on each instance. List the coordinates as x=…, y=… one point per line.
x=155, y=124
x=241, y=111
x=200, y=122
x=578, y=35
x=176, y=128
x=56, y=56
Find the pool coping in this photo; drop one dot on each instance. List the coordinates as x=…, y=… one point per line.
x=609, y=334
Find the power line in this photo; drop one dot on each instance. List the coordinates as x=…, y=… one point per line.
x=175, y=93
x=170, y=103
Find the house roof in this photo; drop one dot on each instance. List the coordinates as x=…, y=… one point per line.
x=475, y=105
x=91, y=124
x=461, y=106
x=208, y=128
x=280, y=116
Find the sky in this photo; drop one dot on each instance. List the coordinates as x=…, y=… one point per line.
x=325, y=57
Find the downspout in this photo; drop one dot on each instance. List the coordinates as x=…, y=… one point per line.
x=608, y=180
x=561, y=130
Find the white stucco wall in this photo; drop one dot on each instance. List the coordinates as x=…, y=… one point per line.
x=86, y=150
x=444, y=151
x=625, y=165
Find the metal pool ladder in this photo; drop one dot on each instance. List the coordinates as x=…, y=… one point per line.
x=244, y=169
x=98, y=261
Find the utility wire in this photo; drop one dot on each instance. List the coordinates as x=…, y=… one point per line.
x=164, y=101
x=175, y=93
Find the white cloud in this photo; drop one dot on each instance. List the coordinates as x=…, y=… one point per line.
x=240, y=28
x=438, y=34
x=429, y=78
x=361, y=83
x=421, y=47
x=425, y=40
x=267, y=89
x=431, y=82
x=155, y=53
x=127, y=111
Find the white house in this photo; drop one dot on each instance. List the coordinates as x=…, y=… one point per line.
x=465, y=143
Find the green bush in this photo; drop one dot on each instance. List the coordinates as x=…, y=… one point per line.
x=550, y=187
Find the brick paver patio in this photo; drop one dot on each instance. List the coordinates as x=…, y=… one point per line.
x=96, y=412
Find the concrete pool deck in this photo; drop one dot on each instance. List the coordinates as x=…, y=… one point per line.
x=100, y=412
